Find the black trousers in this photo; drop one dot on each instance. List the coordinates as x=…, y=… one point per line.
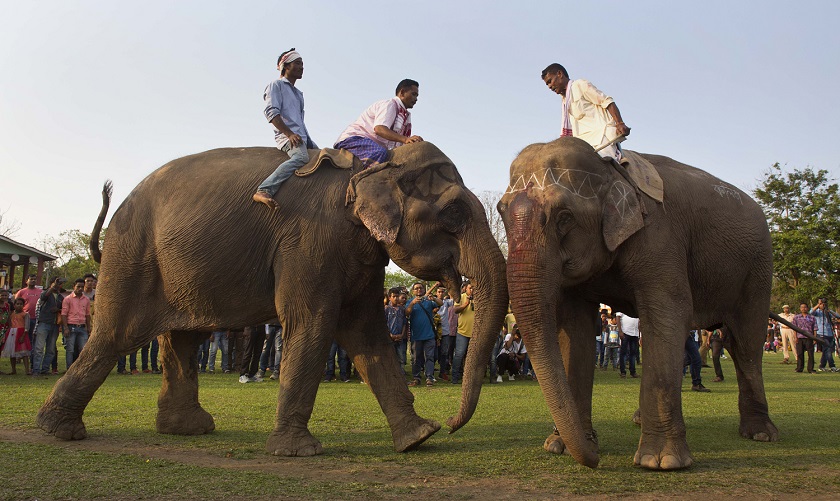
x=802, y=346
x=254, y=339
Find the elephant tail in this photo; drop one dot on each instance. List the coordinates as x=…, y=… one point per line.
x=107, y=191
x=797, y=329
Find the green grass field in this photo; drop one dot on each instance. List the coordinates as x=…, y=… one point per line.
x=499, y=453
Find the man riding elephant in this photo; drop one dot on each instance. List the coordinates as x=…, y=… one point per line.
x=284, y=110
x=588, y=113
x=383, y=126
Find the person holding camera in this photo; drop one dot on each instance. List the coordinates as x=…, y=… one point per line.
x=466, y=317
x=420, y=313
x=823, y=318
x=46, y=331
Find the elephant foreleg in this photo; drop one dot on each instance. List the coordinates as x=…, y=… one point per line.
x=364, y=337
x=179, y=412
x=663, y=445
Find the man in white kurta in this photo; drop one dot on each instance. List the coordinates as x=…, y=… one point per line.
x=588, y=113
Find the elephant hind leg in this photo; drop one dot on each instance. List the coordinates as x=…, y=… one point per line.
x=61, y=414
x=745, y=340
x=307, y=336
x=179, y=412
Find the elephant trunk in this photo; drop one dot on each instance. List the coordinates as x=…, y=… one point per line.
x=482, y=261
x=534, y=299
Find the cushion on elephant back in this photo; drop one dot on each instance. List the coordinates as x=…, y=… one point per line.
x=340, y=159
x=644, y=174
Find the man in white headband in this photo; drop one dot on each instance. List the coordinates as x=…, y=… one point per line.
x=588, y=113
x=284, y=110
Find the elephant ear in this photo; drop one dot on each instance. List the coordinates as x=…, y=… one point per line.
x=622, y=214
x=377, y=203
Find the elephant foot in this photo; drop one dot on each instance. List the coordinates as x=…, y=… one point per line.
x=414, y=433
x=637, y=417
x=657, y=452
x=63, y=424
x=555, y=445
x=293, y=443
x=759, y=430
x=181, y=421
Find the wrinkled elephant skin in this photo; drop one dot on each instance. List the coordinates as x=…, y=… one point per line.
x=188, y=253
x=580, y=235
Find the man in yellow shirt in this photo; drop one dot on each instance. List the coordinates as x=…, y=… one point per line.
x=466, y=316
x=588, y=113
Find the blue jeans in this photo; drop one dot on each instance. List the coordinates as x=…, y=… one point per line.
x=629, y=351
x=203, y=354
x=461, y=345
x=74, y=342
x=298, y=157
x=526, y=366
x=46, y=336
x=423, y=357
x=610, y=356
x=273, y=342
x=150, y=353
x=400, y=349
x=219, y=341
x=692, y=350
x=447, y=348
x=343, y=363
x=132, y=359
x=827, y=352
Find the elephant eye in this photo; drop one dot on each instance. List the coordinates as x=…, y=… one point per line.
x=454, y=217
x=564, y=222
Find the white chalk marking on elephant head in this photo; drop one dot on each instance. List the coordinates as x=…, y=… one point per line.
x=622, y=215
x=576, y=182
x=727, y=192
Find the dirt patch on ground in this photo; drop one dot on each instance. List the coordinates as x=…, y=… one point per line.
x=432, y=485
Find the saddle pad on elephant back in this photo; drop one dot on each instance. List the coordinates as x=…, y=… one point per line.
x=644, y=175
x=340, y=159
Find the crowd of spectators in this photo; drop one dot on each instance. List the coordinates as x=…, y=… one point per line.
x=433, y=328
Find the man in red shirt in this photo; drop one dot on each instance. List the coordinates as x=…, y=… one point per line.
x=75, y=321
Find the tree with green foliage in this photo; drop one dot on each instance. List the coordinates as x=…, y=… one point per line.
x=398, y=278
x=803, y=210
x=72, y=247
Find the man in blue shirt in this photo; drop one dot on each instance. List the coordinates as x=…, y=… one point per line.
x=284, y=110
x=825, y=329
x=420, y=313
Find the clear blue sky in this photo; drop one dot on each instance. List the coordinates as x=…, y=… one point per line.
x=91, y=90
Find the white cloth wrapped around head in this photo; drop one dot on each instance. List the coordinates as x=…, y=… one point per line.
x=288, y=57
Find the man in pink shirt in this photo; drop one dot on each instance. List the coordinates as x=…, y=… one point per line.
x=383, y=126
x=75, y=321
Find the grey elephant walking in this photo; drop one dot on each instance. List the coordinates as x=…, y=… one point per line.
x=184, y=255
x=579, y=235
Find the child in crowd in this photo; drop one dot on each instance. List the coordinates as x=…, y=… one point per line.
x=17, y=344
x=612, y=344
